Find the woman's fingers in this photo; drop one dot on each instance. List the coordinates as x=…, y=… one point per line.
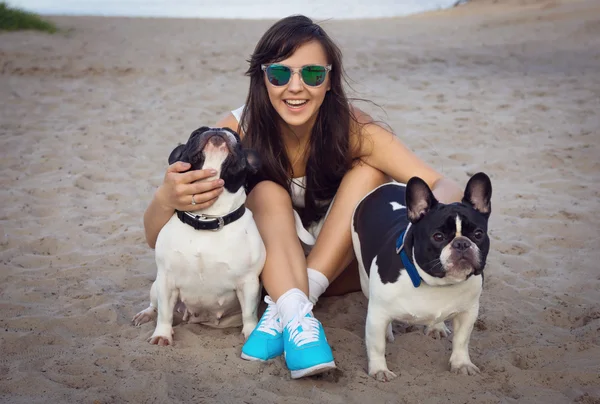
x=181, y=185
x=203, y=192
x=178, y=167
x=205, y=186
x=204, y=200
x=196, y=175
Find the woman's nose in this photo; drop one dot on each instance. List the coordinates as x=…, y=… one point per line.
x=295, y=82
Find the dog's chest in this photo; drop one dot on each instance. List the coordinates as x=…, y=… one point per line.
x=207, y=266
x=426, y=305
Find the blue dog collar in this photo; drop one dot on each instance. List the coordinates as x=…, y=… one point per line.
x=409, y=266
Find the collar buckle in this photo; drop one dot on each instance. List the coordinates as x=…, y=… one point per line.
x=201, y=221
x=209, y=219
x=221, y=223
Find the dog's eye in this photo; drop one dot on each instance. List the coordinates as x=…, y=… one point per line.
x=438, y=237
x=478, y=234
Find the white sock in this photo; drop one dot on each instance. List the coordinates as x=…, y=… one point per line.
x=288, y=305
x=317, y=284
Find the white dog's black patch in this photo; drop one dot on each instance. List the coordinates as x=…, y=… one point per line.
x=378, y=235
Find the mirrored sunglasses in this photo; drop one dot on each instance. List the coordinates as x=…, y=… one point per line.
x=311, y=75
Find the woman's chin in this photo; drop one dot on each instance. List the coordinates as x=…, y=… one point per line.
x=297, y=120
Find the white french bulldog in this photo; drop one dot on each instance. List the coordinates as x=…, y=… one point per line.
x=421, y=262
x=209, y=260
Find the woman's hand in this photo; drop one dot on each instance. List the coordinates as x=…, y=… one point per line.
x=179, y=187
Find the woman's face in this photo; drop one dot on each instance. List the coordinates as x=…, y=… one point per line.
x=296, y=103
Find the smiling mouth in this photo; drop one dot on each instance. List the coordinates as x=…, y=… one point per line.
x=295, y=103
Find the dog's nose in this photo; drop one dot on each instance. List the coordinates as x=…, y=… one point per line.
x=461, y=244
x=217, y=140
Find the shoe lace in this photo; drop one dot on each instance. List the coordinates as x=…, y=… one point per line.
x=304, y=329
x=271, y=324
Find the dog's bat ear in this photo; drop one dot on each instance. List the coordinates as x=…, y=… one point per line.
x=177, y=155
x=478, y=194
x=419, y=199
x=253, y=161
x=198, y=132
x=234, y=133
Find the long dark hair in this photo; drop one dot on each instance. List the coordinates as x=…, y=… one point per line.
x=330, y=154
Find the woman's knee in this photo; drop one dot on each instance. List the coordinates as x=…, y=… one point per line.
x=268, y=193
x=369, y=176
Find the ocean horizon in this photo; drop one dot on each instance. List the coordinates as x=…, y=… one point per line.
x=237, y=9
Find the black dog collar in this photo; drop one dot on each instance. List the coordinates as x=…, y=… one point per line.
x=205, y=222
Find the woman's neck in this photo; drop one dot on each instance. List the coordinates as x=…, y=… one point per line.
x=296, y=135
x=297, y=144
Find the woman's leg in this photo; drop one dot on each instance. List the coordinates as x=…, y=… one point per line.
x=347, y=282
x=285, y=267
x=332, y=252
x=288, y=324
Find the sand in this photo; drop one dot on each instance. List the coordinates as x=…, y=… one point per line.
x=87, y=121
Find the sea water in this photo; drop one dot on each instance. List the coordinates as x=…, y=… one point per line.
x=246, y=9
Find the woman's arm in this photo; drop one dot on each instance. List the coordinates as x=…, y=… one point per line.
x=383, y=150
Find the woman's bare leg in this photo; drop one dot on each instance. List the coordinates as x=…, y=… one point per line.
x=285, y=267
x=289, y=326
x=347, y=282
x=332, y=252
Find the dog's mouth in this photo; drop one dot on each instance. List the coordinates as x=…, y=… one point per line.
x=214, y=143
x=462, y=264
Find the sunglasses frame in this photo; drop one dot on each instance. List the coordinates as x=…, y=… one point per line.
x=295, y=70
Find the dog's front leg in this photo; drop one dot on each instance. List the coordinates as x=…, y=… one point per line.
x=150, y=313
x=376, y=327
x=166, y=299
x=248, y=294
x=460, y=361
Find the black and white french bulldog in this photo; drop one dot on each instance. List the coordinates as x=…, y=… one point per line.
x=209, y=260
x=421, y=262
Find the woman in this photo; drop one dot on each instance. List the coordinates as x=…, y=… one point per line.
x=320, y=156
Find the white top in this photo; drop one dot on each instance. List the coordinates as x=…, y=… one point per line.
x=238, y=113
x=298, y=184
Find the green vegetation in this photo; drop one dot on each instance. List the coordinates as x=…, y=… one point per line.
x=13, y=19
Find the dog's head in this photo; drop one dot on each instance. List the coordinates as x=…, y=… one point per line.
x=449, y=243
x=221, y=150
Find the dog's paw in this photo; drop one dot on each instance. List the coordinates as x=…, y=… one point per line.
x=465, y=368
x=437, y=331
x=144, y=316
x=383, y=375
x=247, y=329
x=161, y=340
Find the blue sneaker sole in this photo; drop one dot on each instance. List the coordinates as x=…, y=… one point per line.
x=313, y=370
x=252, y=358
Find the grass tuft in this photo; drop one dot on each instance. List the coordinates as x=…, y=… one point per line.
x=14, y=19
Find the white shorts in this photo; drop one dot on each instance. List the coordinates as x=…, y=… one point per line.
x=308, y=236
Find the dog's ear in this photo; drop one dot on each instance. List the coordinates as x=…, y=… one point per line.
x=198, y=131
x=253, y=161
x=234, y=133
x=177, y=155
x=419, y=199
x=478, y=194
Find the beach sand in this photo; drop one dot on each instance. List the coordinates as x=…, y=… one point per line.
x=89, y=117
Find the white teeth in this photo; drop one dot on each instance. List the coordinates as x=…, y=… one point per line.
x=296, y=102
